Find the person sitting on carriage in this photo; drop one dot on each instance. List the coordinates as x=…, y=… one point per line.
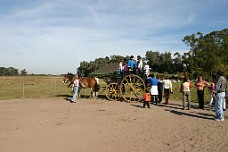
x=131, y=64
x=147, y=69
x=139, y=69
x=139, y=63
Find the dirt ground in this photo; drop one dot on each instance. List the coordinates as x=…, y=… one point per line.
x=56, y=125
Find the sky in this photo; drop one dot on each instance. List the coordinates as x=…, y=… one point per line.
x=54, y=36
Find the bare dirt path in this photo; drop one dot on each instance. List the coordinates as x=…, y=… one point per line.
x=55, y=125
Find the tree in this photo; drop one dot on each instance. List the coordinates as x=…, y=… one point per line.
x=8, y=71
x=177, y=63
x=208, y=52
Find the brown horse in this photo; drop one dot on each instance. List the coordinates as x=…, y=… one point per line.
x=85, y=82
x=68, y=78
x=89, y=82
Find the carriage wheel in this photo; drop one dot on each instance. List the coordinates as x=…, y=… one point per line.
x=112, y=91
x=133, y=88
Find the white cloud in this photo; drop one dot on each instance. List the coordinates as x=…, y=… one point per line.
x=62, y=33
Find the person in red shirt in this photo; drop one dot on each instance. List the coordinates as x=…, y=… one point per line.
x=146, y=99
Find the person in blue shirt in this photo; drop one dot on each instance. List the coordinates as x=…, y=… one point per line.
x=131, y=64
x=154, y=88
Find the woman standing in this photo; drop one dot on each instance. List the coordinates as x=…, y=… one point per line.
x=154, y=88
x=200, y=85
x=75, y=87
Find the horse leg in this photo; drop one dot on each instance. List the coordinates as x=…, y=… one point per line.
x=92, y=95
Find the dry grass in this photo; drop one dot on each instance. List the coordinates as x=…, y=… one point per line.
x=48, y=86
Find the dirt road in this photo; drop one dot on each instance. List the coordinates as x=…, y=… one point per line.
x=55, y=125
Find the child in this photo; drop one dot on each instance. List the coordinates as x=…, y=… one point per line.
x=146, y=99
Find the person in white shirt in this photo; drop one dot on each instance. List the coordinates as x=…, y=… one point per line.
x=147, y=68
x=121, y=66
x=139, y=63
x=168, y=89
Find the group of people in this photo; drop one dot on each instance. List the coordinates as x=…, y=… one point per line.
x=218, y=92
x=158, y=89
x=134, y=66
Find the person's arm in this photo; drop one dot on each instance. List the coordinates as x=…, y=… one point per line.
x=206, y=83
x=181, y=87
x=218, y=85
x=171, y=86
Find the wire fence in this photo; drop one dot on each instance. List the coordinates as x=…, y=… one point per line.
x=32, y=87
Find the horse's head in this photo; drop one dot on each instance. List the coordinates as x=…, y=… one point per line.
x=68, y=77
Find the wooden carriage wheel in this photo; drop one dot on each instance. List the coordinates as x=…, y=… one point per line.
x=132, y=88
x=112, y=91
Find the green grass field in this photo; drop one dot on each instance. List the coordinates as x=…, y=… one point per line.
x=48, y=86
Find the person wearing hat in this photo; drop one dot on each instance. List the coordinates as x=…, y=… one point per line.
x=131, y=64
x=139, y=63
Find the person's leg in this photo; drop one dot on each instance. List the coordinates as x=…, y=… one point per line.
x=156, y=99
x=166, y=95
x=74, y=99
x=224, y=104
x=152, y=99
x=211, y=99
x=188, y=99
x=200, y=98
x=144, y=104
x=148, y=104
x=183, y=99
x=160, y=96
x=219, y=115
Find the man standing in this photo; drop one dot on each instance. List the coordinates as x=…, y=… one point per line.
x=220, y=89
x=167, y=89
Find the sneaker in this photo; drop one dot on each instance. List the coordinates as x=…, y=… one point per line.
x=217, y=120
x=222, y=119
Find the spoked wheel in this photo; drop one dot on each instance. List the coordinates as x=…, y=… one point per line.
x=112, y=91
x=133, y=88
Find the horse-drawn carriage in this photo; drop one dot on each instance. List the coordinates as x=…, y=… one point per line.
x=130, y=87
x=126, y=86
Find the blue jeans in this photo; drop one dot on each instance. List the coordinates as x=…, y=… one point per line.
x=75, y=94
x=219, y=105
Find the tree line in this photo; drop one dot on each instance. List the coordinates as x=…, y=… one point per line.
x=208, y=54
x=11, y=71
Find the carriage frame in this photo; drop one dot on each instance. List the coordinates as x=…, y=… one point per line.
x=128, y=86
